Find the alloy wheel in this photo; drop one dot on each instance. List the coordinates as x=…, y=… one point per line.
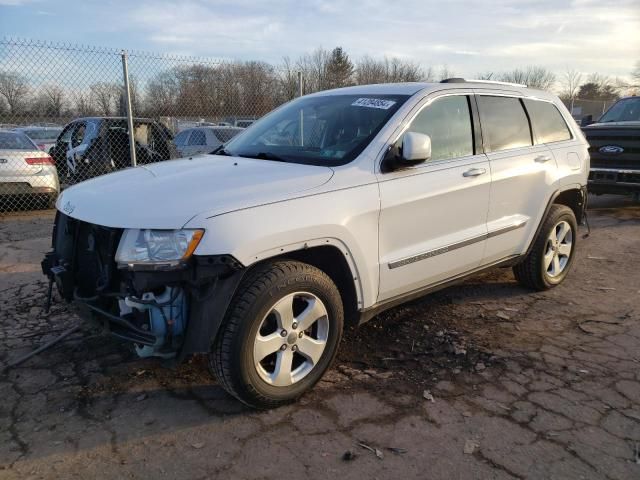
x=558, y=249
x=291, y=339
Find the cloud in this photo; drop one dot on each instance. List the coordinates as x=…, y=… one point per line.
x=469, y=37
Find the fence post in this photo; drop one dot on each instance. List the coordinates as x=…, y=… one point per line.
x=300, y=83
x=127, y=93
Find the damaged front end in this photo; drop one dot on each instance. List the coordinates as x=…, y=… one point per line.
x=144, y=286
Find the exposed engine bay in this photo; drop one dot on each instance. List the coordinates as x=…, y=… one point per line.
x=152, y=307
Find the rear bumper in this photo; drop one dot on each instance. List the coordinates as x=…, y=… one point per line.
x=23, y=188
x=611, y=180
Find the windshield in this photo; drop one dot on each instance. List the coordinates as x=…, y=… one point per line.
x=327, y=130
x=625, y=110
x=15, y=141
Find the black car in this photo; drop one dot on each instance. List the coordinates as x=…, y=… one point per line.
x=92, y=146
x=614, y=148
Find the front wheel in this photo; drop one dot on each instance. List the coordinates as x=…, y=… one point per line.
x=280, y=335
x=551, y=256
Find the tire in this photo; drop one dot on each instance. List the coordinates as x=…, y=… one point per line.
x=51, y=201
x=549, y=262
x=254, y=324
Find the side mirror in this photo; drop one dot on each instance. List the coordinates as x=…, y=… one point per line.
x=586, y=120
x=415, y=149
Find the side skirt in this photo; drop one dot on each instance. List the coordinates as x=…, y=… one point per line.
x=368, y=313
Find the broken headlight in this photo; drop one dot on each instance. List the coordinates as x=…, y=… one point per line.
x=157, y=247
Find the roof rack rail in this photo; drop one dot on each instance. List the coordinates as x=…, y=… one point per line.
x=492, y=82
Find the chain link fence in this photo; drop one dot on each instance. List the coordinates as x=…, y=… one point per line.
x=582, y=107
x=69, y=113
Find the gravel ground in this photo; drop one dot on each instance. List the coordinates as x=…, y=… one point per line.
x=482, y=380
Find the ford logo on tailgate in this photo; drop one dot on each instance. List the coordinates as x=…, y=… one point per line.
x=611, y=149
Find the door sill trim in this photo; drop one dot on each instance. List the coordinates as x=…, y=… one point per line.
x=370, y=312
x=455, y=246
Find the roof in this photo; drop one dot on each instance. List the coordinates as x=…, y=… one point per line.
x=37, y=127
x=411, y=88
x=217, y=127
x=135, y=119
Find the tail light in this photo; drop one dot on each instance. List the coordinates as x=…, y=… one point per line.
x=40, y=160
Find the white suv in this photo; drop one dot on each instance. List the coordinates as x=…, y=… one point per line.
x=330, y=209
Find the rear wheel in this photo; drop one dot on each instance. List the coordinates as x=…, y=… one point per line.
x=551, y=256
x=280, y=335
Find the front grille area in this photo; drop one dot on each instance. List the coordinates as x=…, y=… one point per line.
x=626, y=138
x=88, y=253
x=95, y=252
x=614, y=177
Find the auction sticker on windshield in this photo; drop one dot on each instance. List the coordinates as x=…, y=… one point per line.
x=373, y=103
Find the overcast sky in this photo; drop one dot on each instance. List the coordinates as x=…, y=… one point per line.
x=469, y=37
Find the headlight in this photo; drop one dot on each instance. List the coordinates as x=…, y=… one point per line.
x=157, y=247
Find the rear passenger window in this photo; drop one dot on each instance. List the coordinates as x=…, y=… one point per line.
x=504, y=123
x=181, y=138
x=197, y=138
x=448, y=122
x=548, y=124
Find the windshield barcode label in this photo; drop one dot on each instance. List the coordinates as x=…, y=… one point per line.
x=373, y=103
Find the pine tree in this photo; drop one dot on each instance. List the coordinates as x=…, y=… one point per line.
x=340, y=69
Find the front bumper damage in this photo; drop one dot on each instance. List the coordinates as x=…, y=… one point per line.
x=164, y=312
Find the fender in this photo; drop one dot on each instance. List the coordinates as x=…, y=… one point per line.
x=552, y=200
x=317, y=242
x=345, y=219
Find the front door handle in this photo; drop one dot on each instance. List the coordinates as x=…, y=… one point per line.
x=474, y=172
x=542, y=159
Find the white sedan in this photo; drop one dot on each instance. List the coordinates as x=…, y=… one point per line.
x=194, y=141
x=26, y=171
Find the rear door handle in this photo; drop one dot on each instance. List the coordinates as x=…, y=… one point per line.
x=542, y=159
x=474, y=172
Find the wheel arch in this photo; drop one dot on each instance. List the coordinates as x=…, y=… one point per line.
x=573, y=197
x=333, y=258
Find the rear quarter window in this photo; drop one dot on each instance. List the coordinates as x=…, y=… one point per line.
x=548, y=124
x=504, y=123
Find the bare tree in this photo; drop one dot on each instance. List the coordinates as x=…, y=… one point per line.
x=445, y=73
x=532, y=76
x=288, y=81
x=314, y=70
x=162, y=94
x=15, y=89
x=485, y=76
x=571, y=81
x=83, y=104
x=105, y=95
x=370, y=70
x=54, y=100
x=635, y=74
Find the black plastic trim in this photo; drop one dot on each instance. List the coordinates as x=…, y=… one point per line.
x=368, y=313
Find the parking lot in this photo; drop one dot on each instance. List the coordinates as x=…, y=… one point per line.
x=481, y=380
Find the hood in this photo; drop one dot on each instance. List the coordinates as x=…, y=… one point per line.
x=167, y=195
x=618, y=125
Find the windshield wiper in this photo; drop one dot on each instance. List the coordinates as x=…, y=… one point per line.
x=220, y=151
x=266, y=156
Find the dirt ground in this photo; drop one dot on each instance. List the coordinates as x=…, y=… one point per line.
x=482, y=380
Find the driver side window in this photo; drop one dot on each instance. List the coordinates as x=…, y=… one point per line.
x=447, y=120
x=78, y=135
